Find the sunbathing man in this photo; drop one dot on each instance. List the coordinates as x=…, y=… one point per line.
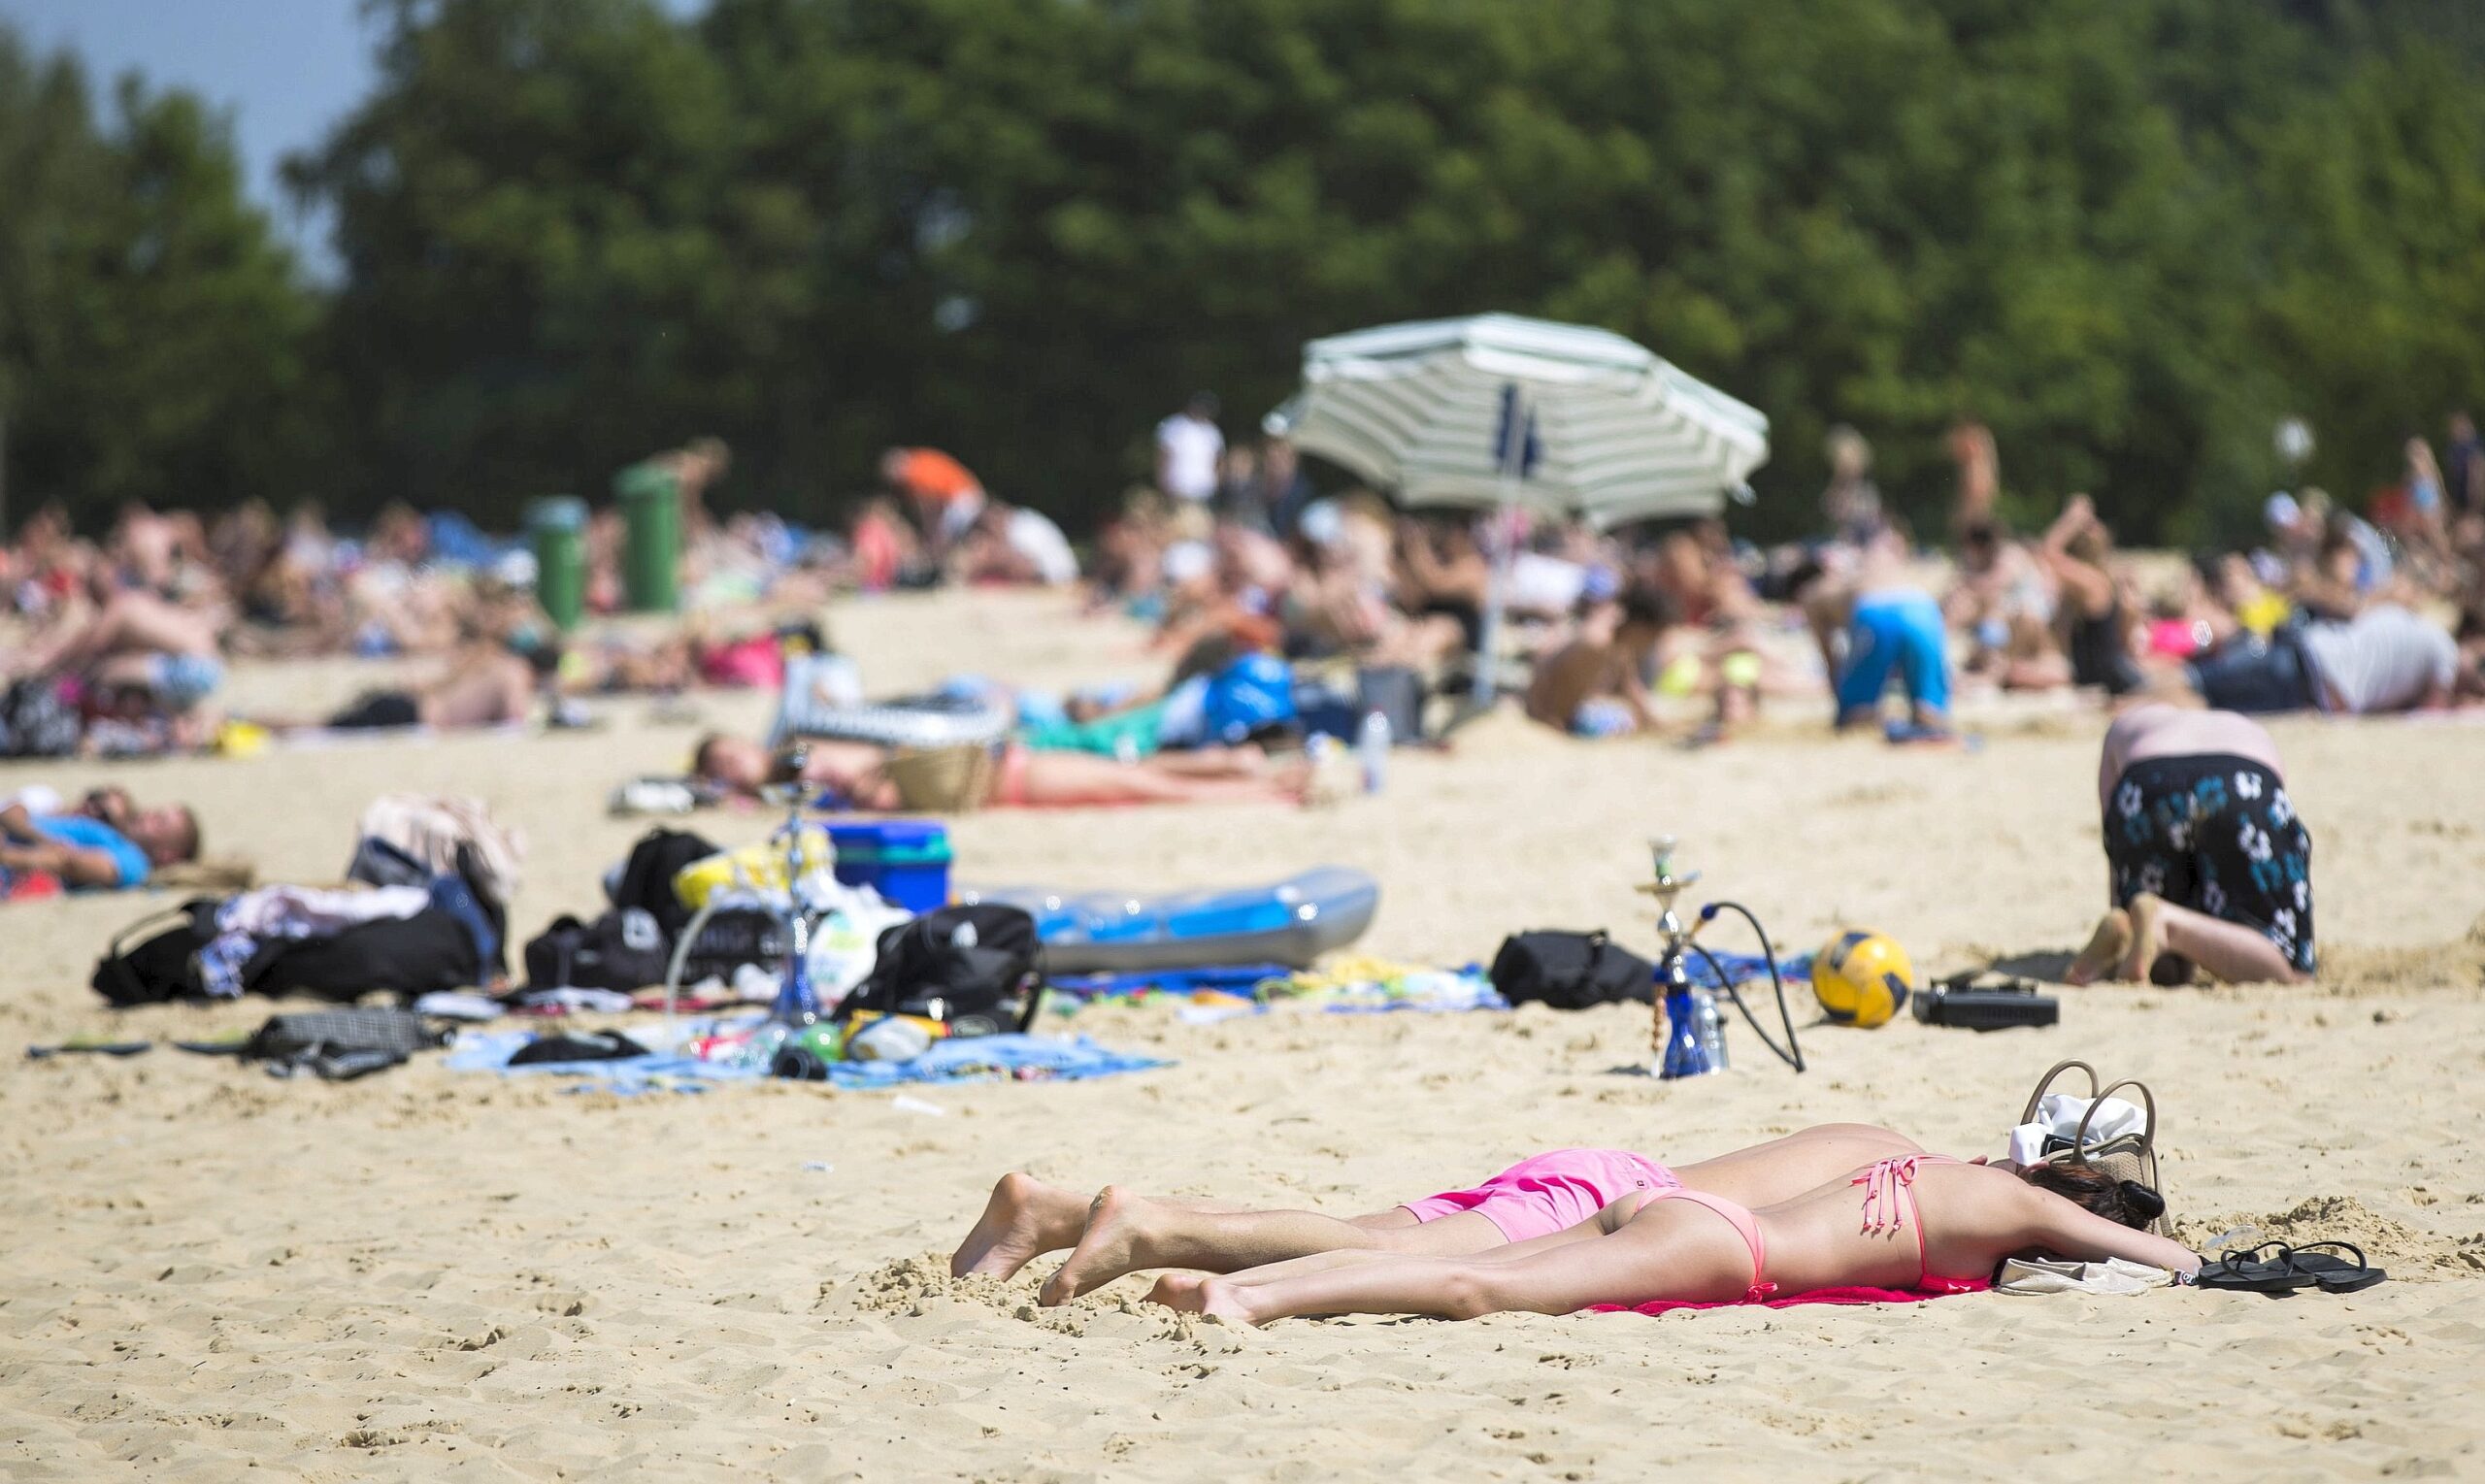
x=1120, y=1231
x=2210, y=864
x=1925, y=1223
x=486, y=685
x=138, y=640
x=105, y=844
x=859, y=774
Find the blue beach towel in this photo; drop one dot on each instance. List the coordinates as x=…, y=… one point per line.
x=972, y=1059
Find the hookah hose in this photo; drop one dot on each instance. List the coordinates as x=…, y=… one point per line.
x=1790, y=1053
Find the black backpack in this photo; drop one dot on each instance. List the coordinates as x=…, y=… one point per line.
x=647, y=878
x=974, y=967
x=621, y=951
x=406, y=956
x=1571, y=970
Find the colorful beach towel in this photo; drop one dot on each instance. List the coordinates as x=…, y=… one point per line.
x=1857, y=1294
x=969, y=1059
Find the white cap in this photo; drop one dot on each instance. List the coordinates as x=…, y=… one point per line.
x=2280, y=511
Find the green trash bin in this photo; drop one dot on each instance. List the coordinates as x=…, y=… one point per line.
x=557, y=527
x=651, y=549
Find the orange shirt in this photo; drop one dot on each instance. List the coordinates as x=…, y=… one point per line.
x=928, y=475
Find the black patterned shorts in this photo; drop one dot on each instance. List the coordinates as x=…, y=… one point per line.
x=2219, y=834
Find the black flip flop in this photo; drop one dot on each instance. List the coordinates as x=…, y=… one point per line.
x=2333, y=1274
x=2251, y=1274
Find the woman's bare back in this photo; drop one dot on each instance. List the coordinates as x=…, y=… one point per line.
x=1784, y=1169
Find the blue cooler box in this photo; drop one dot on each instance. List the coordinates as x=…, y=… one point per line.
x=905, y=860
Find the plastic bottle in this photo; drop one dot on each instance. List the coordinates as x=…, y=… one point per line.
x=1371, y=750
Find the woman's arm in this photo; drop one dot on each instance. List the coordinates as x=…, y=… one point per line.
x=2067, y=1231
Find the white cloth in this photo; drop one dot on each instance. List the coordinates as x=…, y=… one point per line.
x=2384, y=659
x=2028, y=1276
x=281, y=912
x=307, y=911
x=1189, y=448
x=1033, y=534
x=2058, y=1117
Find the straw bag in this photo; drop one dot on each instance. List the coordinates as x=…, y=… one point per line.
x=2124, y=1157
x=943, y=780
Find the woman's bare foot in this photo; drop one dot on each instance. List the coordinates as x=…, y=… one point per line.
x=1179, y=1290
x=2106, y=950
x=1024, y=1219
x=1221, y=1298
x=2148, y=938
x=1115, y=1242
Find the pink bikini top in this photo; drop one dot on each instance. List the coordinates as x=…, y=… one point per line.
x=1890, y=1204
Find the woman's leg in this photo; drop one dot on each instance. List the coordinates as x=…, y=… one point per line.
x=1026, y=1218
x=1066, y=778
x=1687, y=1255
x=2229, y=950
x=1127, y=1232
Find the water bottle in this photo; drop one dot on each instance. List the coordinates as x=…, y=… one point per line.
x=1371, y=750
x=1694, y=1043
x=1713, y=1030
x=797, y=1006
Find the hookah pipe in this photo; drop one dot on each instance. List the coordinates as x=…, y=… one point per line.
x=1678, y=1046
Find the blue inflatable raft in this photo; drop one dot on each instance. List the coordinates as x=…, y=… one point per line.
x=1290, y=922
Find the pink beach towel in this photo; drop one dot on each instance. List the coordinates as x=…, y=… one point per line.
x=1938, y=1289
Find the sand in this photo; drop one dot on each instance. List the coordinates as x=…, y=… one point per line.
x=420, y=1274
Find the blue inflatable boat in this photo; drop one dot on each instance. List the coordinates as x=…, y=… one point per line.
x=1290, y=922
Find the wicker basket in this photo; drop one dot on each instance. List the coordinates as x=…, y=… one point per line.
x=943, y=780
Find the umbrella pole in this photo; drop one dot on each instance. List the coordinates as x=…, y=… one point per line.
x=1488, y=636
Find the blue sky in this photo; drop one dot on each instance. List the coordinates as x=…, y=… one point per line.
x=286, y=70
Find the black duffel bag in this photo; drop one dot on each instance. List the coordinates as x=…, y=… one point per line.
x=974, y=967
x=1571, y=970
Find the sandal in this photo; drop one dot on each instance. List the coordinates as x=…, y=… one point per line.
x=2249, y=1272
x=2336, y=1275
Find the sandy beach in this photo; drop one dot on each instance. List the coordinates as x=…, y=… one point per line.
x=424, y=1275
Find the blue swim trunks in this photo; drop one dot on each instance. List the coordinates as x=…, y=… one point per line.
x=1895, y=631
x=183, y=680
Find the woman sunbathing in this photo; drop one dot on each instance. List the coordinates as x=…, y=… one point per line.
x=1122, y=1232
x=1904, y=1222
x=859, y=774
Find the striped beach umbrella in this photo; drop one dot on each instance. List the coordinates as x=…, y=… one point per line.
x=1496, y=409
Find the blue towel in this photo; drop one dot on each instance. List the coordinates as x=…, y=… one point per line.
x=977, y=1057
x=1244, y=979
x=1744, y=968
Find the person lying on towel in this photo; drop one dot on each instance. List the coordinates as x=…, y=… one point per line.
x=105, y=844
x=857, y=773
x=1581, y=1227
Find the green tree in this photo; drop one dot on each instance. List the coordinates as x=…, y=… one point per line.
x=153, y=336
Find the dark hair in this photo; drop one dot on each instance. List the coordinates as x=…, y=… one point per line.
x=2125, y=1203
x=702, y=760
x=194, y=839
x=1650, y=608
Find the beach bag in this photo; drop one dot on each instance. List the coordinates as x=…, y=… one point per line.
x=622, y=950
x=972, y=968
x=645, y=882
x=732, y=936
x=1571, y=970
x=156, y=969
x=341, y=1044
x=35, y=721
x=2129, y=1156
x=448, y=836
x=408, y=957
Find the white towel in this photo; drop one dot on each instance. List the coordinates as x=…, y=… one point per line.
x=2030, y=1275
x=2058, y=1117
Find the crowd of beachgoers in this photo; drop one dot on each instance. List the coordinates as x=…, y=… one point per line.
x=1233, y=555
